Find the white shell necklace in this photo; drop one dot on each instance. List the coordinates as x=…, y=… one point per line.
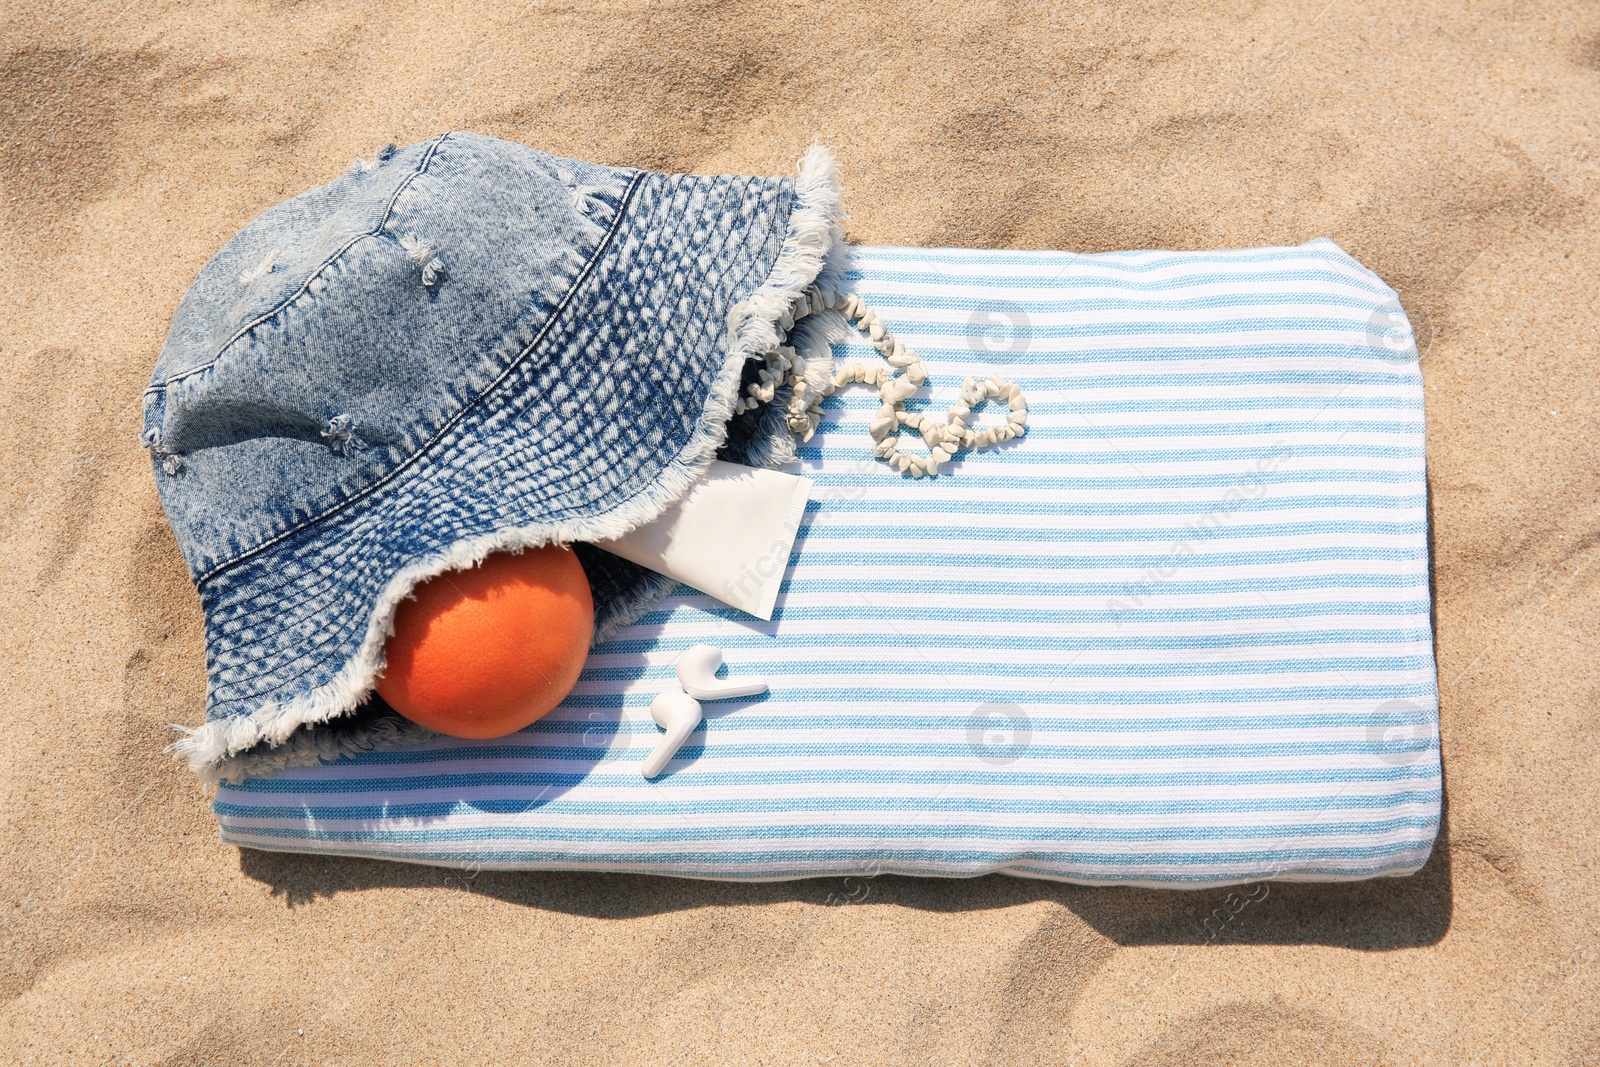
x=943, y=439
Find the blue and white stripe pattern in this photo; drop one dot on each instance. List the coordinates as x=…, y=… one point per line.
x=1177, y=635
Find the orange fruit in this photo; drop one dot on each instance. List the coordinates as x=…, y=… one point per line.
x=484, y=652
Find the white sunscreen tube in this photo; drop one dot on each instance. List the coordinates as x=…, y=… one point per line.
x=729, y=536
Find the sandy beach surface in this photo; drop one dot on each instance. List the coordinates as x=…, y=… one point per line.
x=1456, y=152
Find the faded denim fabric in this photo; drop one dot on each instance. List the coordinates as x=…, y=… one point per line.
x=464, y=338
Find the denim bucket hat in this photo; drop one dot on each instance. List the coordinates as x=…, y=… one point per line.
x=460, y=347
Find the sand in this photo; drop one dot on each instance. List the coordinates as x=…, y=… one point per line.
x=1454, y=152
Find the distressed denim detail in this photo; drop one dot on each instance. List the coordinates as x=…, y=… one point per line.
x=349, y=424
x=343, y=324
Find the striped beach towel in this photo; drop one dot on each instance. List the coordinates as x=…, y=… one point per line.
x=1177, y=635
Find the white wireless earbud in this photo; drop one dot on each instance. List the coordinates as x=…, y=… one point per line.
x=678, y=713
x=697, y=673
